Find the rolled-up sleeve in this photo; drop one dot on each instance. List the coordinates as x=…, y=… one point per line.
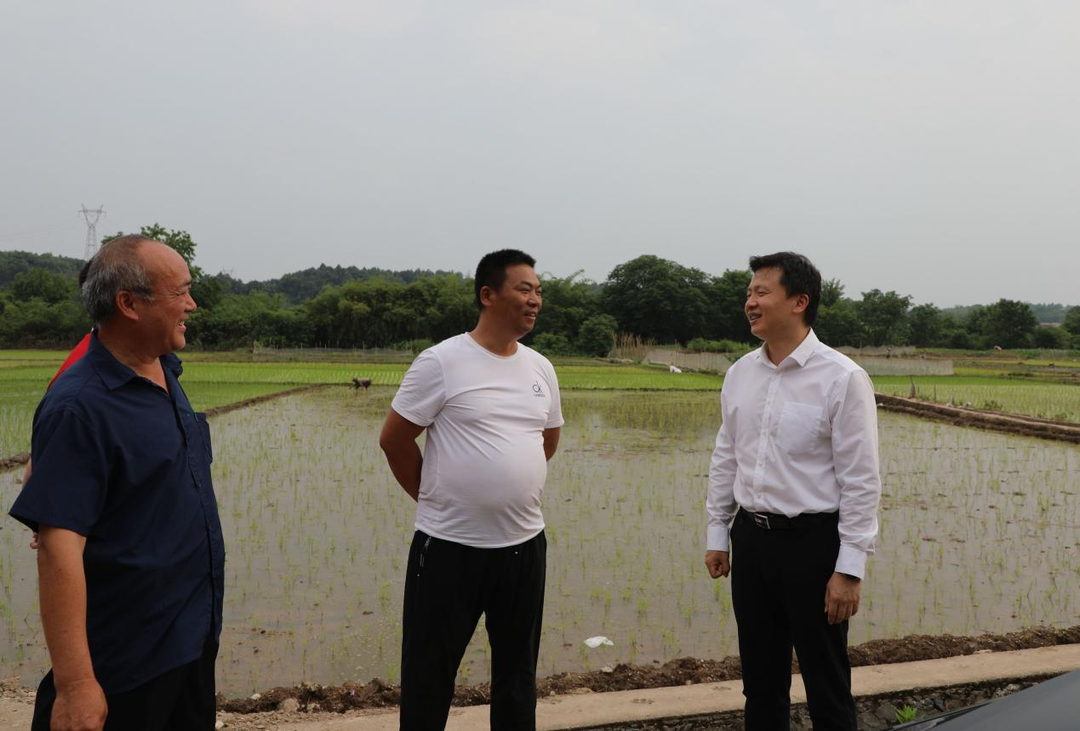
x=720, y=499
x=69, y=482
x=855, y=460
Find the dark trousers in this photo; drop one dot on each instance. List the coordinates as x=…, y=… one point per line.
x=447, y=587
x=182, y=699
x=778, y=580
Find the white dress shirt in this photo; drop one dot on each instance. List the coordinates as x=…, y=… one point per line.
x=799, y=437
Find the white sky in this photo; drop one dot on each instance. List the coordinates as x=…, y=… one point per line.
x=928, y=147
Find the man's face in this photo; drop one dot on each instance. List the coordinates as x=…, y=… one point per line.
x=162, y=320
x=518, y=301
x=771, y=311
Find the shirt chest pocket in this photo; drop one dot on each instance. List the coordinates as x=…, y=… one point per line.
x=799, y=428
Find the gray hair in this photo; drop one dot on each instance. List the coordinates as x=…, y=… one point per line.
x=116, y=268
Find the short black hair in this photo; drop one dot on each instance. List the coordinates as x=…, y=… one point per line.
x=798, y=276
x=491, y=271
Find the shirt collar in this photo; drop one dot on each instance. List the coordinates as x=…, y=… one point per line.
x=114, y=373
x=806, y=348
x=800, y=355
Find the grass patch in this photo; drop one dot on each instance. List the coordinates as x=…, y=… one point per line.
x=1041, y=399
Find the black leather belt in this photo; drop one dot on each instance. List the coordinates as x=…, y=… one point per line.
x=773, y=521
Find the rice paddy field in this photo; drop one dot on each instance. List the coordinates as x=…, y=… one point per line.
x=979, y=530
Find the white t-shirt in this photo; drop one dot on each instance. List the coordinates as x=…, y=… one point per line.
x=484, y=464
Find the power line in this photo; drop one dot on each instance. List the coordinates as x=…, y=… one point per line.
x=91, y=215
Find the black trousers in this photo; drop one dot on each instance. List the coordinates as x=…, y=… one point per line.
x=447, y=587
x=778, y=580
x=182, y=699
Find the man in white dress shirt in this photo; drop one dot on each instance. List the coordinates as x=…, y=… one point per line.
x=492, y=412
x=794, y=482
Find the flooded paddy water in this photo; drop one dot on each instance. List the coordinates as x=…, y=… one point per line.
x=979, y=533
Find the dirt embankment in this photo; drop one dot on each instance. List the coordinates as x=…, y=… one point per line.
x=1027, y=426
x=682, y=671
x=218, y=410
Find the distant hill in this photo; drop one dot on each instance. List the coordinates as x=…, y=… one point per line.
x=296, y=286
x=16, y=262
x=1044, y=312
x=303, y=285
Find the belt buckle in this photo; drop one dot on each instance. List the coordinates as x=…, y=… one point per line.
x=761, y=521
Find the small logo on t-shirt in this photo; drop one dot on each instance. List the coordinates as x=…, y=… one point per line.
x=538, y=390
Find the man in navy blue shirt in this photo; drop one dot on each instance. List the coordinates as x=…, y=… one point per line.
x=131, y=556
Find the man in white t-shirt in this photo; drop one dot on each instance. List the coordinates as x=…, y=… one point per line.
x=492, y=412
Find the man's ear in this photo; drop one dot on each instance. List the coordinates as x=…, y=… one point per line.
x=487, y=295
x=125, y=306
x=802, y=301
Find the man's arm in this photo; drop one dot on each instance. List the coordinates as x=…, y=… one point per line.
x=720, y=498
x=80, y=703
x=398, y=442
x=551, y=441
x=25, y=479
x=855, y=463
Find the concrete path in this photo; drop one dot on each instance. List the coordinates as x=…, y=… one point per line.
x=594, y=709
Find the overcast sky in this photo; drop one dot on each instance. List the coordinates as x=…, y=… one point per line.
x=928, y=147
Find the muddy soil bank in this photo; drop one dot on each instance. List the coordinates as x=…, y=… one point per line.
x=681, y=671
x=999, y=421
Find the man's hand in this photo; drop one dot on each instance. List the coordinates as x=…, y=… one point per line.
x=842, y=597
x=717, y=563
x=80, y=706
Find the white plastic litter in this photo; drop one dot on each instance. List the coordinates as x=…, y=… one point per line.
x=674, y=369
x=594, y=642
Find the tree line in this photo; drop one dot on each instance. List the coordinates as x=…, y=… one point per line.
x=648, y=297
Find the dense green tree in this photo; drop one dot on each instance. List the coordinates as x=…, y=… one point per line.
x=726, y=300
x=43, y=285
x=551, y=344
x=1071, y=322
x=36, y=323
x=567, y=303
x=207, y=292
x=380, y=313
x=955, y=333
x=1008, y=323
x=831, y=292
x=925, y=326
x=597, y=335
x=838, y=324
x=179, y=241
x=1051, y=338
x=237, y=321
x=658, y=299
x=882, y=315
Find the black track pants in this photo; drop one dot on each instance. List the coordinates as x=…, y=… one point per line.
x=447, y=588
x=778, y=580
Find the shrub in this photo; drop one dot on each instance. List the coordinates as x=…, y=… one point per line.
x=552, y=344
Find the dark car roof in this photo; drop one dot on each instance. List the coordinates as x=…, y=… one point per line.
x=1050, y=706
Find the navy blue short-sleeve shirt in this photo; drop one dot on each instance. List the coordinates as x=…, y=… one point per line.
x=126, y=464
